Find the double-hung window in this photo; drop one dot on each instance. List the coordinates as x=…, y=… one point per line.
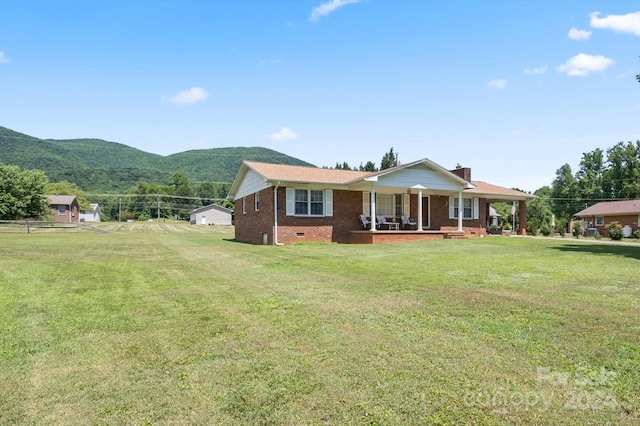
x=389, y=205
x=467, y=208
x=599, y=220
x=470, y=207
x=256, y=201
x=309, y=202
x=62, y=210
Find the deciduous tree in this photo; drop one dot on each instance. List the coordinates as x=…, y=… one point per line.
x=623, y=170
x=564, y=190
x=21, y=193
x=590, y=176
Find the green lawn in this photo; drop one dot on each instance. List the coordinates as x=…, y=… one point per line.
x=171, y=324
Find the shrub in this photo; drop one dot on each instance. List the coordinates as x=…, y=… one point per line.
x=615, y=230
x=546, y=230
x=506, y=226
x=597, y=235
x=636, y=234
x=577, y=228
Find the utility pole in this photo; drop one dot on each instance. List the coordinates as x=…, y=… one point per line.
x=120, y=209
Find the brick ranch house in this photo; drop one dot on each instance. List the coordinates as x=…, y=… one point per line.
x=283, y=204
x=599, y=215
x=64, y=208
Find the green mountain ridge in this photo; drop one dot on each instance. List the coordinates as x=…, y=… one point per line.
x=97, y=166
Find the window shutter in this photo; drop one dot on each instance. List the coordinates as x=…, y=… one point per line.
x=366, y=203
x=406, y=204
x=452, y=200
x=328, y=202
x=476, y=208
x=291, y=201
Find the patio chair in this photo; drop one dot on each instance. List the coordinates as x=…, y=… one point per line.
x=382, y=221
x=407, y=222
x=365, y=222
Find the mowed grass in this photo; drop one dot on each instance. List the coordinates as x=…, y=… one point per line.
x=177, y=324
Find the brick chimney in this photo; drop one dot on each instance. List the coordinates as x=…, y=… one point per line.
x=463, y=172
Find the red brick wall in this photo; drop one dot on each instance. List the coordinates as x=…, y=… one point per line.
x=631, y=220
x=440, y=217
x=71, y=214
x=347, y=206
x=250, y=227
x=365, y=237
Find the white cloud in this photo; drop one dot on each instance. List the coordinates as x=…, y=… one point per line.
x=629, y=23
x=497, y=84
x=3, y=59
x=540, y=70
x=284, y=134
x=193, y=95
x=576, y=34
x=326, y=8
x=583, y=64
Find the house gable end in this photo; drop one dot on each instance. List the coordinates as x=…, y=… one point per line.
x=250, y=183
x=421, y=174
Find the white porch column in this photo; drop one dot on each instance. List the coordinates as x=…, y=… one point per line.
x=373, y=208
x=460, y=211
x=420, y=210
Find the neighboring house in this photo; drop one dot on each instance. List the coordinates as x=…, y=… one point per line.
x=64, y=208
x=211, y=215
x=276, y=204
x=91, y=215
x=599, y=215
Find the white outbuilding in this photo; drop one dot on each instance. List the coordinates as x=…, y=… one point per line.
x=212, y=214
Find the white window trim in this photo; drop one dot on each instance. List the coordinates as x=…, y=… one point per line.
x=475, y=208
x=256, y=201
x=62, y=210
x=327, y=202
x=366, y=203
x=244, y=205
x=599, y=220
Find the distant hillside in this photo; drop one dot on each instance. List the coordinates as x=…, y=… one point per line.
x=99, y=166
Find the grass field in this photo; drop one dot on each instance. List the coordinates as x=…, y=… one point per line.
x=170, y=324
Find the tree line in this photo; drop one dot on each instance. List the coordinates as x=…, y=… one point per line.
x=22, y=195
x=608, y=175
x=389, y=159
x=602, y=175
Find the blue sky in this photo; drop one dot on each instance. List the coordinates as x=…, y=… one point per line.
x=512, y=89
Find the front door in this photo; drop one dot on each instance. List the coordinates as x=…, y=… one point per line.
x=425, y=213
